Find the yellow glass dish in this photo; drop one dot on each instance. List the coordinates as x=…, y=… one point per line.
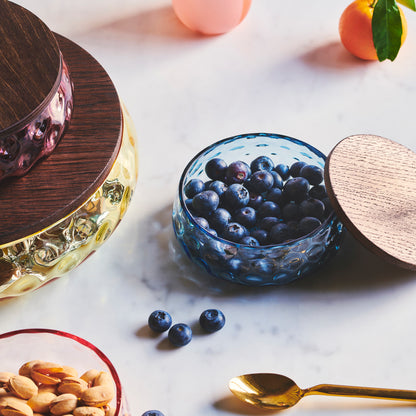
x=29, y=263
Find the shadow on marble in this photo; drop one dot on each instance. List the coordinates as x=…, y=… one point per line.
x=353, y=269
x=231, y=404
x=332, y=55
x=159, y=22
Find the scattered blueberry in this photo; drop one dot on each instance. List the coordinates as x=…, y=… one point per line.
x=219, y=219
x=180, y=335
x=236, y=196
x=212, y=320
x=260, y=181
x=282, y=170
x=205, y=202
x=153, y=413
x=159, y=321
x=193, y=187
x=313, y=174
x=296, y=189
x=237, y=172
x=215, y=169
x=234, y=232
x=261, y=163
x=246, y=216
x=295, y=168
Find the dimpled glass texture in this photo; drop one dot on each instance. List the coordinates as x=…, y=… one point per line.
x=20, y=151
x=255, y=266
x=31, y=262
x=61, y=348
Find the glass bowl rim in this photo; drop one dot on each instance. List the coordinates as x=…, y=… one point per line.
x=317, y=152
x=81, y=341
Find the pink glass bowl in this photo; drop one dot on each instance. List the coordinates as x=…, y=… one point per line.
x=21, y=149
x=211, y=17
x=20, y=346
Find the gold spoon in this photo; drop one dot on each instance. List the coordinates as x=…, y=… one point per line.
x=274, y=391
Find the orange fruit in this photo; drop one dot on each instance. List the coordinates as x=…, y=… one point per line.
x=355, y=29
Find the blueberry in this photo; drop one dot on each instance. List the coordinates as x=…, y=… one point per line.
x=275, y=195
x=312, y=207
x=159, y=321
x=249, y=240
x=218, y=187
x=237, y=172
x=236, y=196
x=318, y=192
x=212, y=320
x=268, y=209
x=262, y=236
x=308, y=224
x=212, y=231
x=279, y=233
x=180, y=335
x=328, y=206
x=296, y=189
x=202, y=222
x=215, y=169
x=153, y=413
x=291, y=211
x=282, y=170
x=267, y=223
x=193, y=187
x=205, y=202
x=188, y=203
x=293, y=230
x=260, y=181
x=219, y=219
x=313, y=174
x=255, y=200
x=234, y=232
x=295, y=168
x=261, y=163
x=245, y=216
x=277, y=180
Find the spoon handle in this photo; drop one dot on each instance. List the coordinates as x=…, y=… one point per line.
x=367, y=392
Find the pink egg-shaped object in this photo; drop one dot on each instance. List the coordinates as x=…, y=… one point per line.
x=211, y=17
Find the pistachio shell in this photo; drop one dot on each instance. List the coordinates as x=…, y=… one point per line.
x=72, y=385
x=47, y=387
x=103, y=378
x=109, y=410
x=90, y=375
x=46, y=373
x=41, y=402
x=65, y=403
x=98, y=396
x=88, y=411
x=4, y=392
x=22, y=386
x=13, y=406
x=5, y=376
x=26, y=368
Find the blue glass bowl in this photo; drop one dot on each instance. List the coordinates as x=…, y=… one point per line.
x=255, y=266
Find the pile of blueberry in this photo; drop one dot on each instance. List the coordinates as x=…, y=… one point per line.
x=258, y=204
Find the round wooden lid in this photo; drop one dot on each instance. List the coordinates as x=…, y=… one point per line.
x=29, y=66
x=61, y=183
x=371, y=182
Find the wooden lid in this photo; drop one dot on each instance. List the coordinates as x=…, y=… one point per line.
x=62, y=182
x=30, y=66
x=371, y=182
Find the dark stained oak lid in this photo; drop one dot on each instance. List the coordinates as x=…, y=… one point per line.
x=64, y=181
x=29, y=66
x=371, y=182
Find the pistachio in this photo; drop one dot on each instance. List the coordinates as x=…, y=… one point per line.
x=4, y=392
x=4, y=377
x=47, y=387
x=41, y=402
x=98, y=395
x=13, y=406
x=22, y=386
x=88, y=411
x=46, y=373
x=72, y=385
x=26, y=368
x=103, y=378
x=109, y=410
x=89, y=376
x=65, y=403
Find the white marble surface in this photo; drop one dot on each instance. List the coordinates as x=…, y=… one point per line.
x=282, y=70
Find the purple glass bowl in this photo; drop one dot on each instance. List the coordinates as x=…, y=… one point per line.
x=21, y=149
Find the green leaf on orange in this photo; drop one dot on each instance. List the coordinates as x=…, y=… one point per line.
x=387, y=29
x=408, y=3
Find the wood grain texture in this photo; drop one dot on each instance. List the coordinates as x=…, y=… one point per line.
x=29, y=66
x=61, y=183
x=371, y=182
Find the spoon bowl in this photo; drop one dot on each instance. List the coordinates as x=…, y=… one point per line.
x=275, y=391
